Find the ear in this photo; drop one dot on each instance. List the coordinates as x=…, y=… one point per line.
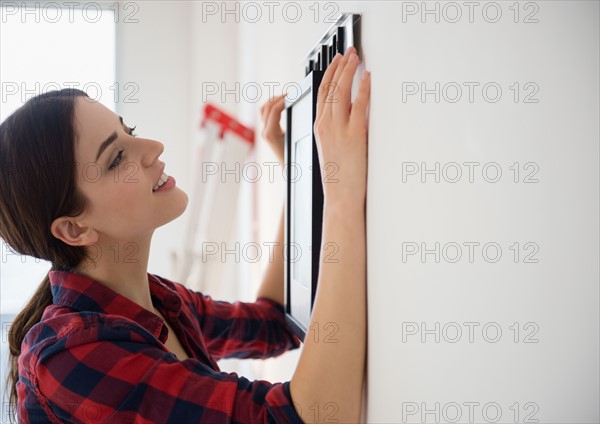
x=69, y=230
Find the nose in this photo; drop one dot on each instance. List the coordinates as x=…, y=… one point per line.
x=152, y=149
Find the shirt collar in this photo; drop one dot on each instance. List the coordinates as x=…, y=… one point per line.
x=81, y=293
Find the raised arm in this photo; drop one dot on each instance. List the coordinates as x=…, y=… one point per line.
x=255, y=330
x=327, y=383
x=330, y=376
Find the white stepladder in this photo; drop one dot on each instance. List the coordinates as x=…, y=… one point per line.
x=216, y=174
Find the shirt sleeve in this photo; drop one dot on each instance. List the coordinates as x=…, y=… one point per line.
x=126, y=381
x=255, y=330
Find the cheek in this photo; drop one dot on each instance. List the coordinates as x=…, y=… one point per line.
x=117, y=196
x=132, y=187
x=127, y=200
x=122, y=208
x=126, y=180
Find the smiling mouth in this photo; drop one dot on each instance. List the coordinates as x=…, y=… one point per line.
x=163, y=178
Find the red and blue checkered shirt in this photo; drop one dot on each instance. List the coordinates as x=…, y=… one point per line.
x=98, y=357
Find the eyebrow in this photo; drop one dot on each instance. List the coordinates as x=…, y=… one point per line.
x=108, y=141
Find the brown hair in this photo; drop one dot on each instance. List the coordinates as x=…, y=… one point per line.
x=38, y=185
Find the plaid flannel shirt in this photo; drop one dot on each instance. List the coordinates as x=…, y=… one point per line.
x=98, y=357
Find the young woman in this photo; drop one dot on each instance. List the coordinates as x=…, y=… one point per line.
x=103, y=340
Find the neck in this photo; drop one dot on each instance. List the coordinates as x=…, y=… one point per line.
x=123, y=267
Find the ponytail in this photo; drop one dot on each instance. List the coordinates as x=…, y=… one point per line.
x=27, y=318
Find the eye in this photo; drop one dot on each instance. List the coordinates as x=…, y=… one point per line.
x=120, y=155
x=117, y=160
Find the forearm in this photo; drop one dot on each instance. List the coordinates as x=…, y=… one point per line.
x=331, y=369
x=272, y=284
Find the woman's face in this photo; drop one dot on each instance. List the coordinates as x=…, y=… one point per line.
x=118, y=178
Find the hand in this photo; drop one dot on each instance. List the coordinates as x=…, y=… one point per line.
x=272, y=131
x=341, y=130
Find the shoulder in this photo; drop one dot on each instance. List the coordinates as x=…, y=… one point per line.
x=179, y=289
x=192, y=302
x=69, y=330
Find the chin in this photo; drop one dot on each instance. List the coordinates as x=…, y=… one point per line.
x=181, y=202
x=177, y=205
x=186, y=199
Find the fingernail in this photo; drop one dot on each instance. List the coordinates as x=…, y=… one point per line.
x=336, y=57
x=366, y=74
x=353, y=58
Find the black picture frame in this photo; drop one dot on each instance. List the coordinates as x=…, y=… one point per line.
x=302, y=174
x=303, y=214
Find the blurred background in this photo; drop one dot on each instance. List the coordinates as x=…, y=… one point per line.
x=482, y=202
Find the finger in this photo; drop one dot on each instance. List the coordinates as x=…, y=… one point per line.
x=323, y=86
x=332, y=94
x=265, y=108
x=275, y=112
x=272, y=124
x=358, y=112
x=333, y=87
x=341, y=107
x=339, y=70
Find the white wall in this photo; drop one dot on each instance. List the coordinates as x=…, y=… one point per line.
x=558, y=294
